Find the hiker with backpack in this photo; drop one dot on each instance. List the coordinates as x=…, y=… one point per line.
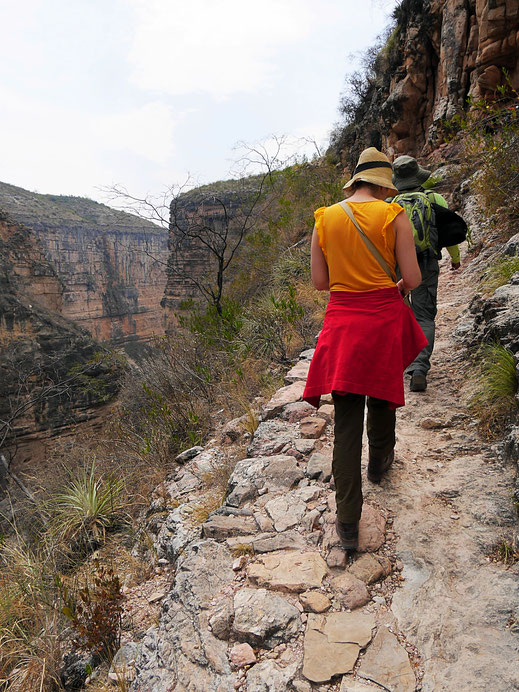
x=369, y=334
x=434, y=227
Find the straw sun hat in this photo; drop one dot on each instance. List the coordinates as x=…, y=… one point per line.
x=373, y=167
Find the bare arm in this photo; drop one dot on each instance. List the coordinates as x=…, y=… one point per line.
x=318, y=266
x=406, y=255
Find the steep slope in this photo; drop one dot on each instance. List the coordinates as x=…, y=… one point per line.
x=40, y=350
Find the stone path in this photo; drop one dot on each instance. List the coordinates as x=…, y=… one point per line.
x=265, y=600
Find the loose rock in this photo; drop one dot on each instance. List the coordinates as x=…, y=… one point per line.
x=333, y=642
x=387, y=664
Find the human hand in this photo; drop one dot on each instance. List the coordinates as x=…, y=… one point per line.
x=401, y=287
x=455, y=265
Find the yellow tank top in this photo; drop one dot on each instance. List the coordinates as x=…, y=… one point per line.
x=351, y=266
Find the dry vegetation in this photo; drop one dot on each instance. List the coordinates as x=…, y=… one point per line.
x=65, y=559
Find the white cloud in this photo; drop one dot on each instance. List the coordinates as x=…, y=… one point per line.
x=63, y=150
x=146, y=131
x=219, y=48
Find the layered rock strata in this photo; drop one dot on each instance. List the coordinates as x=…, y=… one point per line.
x=109, y=265
x=43, y=355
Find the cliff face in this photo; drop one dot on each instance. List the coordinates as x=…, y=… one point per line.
x=207, y=226
x=440, y=54
x=108, y=266
x=450, y=50
x=46, y=360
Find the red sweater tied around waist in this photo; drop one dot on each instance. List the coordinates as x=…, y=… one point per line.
x=367, y=341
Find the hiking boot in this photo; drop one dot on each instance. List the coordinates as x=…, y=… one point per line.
x=418, y=382
x=378, y=467
x=348, y=534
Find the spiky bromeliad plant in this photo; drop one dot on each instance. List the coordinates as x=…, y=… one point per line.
x=86, y=508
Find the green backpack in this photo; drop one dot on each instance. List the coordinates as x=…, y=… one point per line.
x=420, y=212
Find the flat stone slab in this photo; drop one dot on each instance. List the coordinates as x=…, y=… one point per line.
x=333, y=642
x=269, y=676
x=289, y=571
x=386, y=662
x=298, y=372
x=312, y=427
x=286, y=511
x=279, y=472
x=270, y=542
x=285, y=395
x=314, y=601
x=294, y=412
x=304, y=446
x=350, y=685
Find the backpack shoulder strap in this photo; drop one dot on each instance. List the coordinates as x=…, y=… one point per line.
x=368, y=242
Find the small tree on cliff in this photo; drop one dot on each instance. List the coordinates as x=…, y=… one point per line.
x=208, y=224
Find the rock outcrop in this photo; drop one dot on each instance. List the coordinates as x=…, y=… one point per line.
x=107, y=268
x=207, y=226
x=440, y=54
x=450, y=50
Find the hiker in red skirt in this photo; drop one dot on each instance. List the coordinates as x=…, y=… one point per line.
x=369, y=335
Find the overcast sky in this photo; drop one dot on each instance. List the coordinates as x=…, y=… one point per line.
x=144, y=92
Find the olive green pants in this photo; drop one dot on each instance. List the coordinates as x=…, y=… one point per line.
x=347, y=448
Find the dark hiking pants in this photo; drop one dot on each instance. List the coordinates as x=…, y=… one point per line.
x=347, y=448
x=424, y=304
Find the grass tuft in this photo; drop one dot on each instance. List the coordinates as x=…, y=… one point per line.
x=494, y=399
x=499, y=273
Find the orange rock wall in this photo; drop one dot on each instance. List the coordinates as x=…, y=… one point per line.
x=452, y=50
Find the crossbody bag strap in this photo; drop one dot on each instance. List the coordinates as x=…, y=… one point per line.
x=369, y=244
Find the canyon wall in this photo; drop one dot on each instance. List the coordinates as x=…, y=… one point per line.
x=46, y=360
x=439, y=55
x=450, y=50
x=207, y=226
x=109, y=265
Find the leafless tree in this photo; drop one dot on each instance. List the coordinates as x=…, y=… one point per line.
x=208, y=224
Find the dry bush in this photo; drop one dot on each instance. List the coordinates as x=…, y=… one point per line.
x=30, y=621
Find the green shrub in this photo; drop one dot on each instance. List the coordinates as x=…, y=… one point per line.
x=269, y=326
x=489, y=136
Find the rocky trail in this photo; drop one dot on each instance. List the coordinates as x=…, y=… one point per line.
x=263, y=599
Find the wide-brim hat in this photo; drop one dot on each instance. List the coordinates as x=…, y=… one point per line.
x=373, y=167
x=408, y=174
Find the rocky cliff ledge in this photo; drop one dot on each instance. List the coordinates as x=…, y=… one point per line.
x=440, y=54
x=106, y=269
